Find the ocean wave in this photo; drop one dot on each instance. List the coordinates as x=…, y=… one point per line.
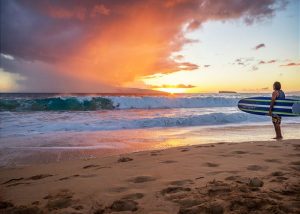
x=56, y=104
x=93, y=103
x=88, y=103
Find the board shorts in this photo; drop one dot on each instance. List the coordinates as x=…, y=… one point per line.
x=276, y=120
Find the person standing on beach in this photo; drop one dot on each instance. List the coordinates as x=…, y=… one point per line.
x=277, y=94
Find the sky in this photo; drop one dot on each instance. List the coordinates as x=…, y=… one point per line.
x=186, y=46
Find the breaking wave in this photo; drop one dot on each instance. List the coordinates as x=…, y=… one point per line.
x=113, y=102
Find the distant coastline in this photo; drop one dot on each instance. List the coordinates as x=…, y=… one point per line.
x=227, y=92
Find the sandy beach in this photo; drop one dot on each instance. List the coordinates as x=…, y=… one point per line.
x=250, y=177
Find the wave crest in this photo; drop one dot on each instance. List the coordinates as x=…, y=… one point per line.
x=56, y=104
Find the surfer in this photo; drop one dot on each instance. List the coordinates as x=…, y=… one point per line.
x=277, y=94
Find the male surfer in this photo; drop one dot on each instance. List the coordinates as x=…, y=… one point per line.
x=277, y=94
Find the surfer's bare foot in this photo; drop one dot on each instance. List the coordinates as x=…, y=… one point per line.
x=277, y=138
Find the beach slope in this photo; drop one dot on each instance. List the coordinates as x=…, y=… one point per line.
x=251, y=177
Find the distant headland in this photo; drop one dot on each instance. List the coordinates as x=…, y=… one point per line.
x=227, y=92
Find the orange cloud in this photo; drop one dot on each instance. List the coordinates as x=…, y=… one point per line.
x=114, y=42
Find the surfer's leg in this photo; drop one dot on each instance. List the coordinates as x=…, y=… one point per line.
x=278, y=131
x=276, y=122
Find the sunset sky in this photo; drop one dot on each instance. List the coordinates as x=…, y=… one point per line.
x=172, y=45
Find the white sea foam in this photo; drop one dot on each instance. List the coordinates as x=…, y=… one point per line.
x=125, y=102
x=35, y=123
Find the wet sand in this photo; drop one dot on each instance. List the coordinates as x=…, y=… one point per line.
x=45, y=149
x=250, y=177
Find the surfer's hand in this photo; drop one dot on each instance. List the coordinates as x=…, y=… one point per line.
x=270, y=113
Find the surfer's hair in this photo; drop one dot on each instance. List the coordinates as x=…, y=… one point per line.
x=277, y=85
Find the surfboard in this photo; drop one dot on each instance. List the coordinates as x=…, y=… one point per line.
x=261, y=106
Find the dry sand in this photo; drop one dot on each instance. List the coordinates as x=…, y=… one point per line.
x=252, y=177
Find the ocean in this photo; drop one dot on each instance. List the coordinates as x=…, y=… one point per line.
x=91, y=124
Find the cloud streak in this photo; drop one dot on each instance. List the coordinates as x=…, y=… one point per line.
x=259, y=46
x=290, y=64
x=173, y=86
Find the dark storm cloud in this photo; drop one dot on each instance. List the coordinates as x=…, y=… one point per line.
x=108, y=41
x=48, y=30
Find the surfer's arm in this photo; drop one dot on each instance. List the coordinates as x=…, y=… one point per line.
x=274, y=95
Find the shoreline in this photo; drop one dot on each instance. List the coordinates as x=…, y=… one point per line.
x=190, y=179
x=43, y=149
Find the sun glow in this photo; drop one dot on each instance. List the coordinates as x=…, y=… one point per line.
x=171, y=90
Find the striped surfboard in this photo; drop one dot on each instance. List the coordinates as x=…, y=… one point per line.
x=261, y=106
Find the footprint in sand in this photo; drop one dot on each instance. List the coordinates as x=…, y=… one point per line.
x=172, y=190
x=118, y=189
x=273, y=160
x=200, y=177
x=209, y=164
x=69, y=177
x=185, y=150
x=256, y=168
x=124, y=159
x=38, y=177
x=133, y=196
x=204, y=146
x=17, y=184
x=124, y=205
x=141, y=179
x=60, y=200
x=168, y=161
x=277, y=173
x=13, y=180
x=155, y=153
x=181, y=182
x=240, y=152
x=90, y=166
x=274, y=146
x=232, y=178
